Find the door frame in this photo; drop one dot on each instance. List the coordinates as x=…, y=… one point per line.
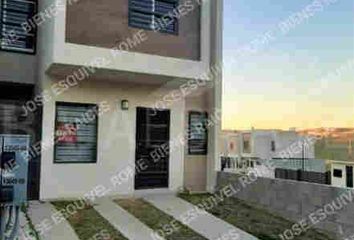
x=139, y=121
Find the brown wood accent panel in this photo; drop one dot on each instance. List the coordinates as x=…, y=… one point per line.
x=105, y=24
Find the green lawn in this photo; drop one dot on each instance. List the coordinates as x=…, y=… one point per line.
x=254, y=220
x=88, y=222
x=156, y=219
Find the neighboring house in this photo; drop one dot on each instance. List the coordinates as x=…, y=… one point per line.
x=287, y=151
x=267, y=144
x=342, y=173
x=117, y=90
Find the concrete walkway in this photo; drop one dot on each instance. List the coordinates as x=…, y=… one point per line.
x=203, y=223
x=41, y=215
x=25, y=231
x=123, y=221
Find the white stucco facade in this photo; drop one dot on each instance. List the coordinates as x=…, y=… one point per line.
x=116, y=141
x=143, y=80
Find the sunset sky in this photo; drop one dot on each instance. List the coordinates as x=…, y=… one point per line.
x=284, y=81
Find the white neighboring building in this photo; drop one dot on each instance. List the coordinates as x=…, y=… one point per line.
x=247, y=151
x=267, y=144
x=342, y=173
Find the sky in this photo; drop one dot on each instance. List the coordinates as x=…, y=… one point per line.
x=284, y=69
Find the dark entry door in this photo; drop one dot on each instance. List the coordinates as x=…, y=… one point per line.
x=152, y=148
x=15, y=120
x=349, y=176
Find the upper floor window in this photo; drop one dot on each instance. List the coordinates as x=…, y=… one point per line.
x=16, y=16
x=156, y=15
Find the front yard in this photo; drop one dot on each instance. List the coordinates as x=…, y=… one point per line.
x=89, y=224
x=259, y=222
x=158, y=220
x=254, y=220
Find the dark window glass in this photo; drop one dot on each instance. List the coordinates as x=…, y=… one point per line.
x=246, y=143
x=273, y=148
x=337, y=173
x=76, y=133
x=349, y=171
x=198, y=133
x=156, y=15
x=17, y=31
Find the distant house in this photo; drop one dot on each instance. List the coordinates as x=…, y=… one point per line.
x=273, y=154
x=266, y=144
x=342, y=173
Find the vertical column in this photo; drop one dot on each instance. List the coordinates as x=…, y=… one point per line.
x=215, y=96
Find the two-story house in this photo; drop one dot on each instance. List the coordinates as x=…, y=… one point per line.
x=123, y=96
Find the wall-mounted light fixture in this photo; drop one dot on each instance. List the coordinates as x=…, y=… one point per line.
x=124, y=104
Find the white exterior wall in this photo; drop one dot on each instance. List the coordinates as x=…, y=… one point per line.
x=288, y=140
x=216, y=59
x=116, y=141
x=340, y=182
x=336, y=181
x=261, y=146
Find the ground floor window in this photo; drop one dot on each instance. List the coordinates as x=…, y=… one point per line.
x=76, y=133
x=337, y=173
x=198, y=134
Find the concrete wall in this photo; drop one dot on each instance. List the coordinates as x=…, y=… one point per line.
x=18, y=67
x=297, y=200
x=105, y=24
x=215, y=93
x=116, y=139
x=195, y=166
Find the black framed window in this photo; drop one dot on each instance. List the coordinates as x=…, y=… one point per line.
x=337, y=173
x=76, y=133
x=18, y=34
x=198, y=133
x=156, y=15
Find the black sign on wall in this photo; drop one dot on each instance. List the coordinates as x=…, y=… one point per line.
x=198, y=133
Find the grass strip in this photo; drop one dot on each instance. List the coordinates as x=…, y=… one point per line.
x=89, y=224
x=253, y=219
x=164, y=224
